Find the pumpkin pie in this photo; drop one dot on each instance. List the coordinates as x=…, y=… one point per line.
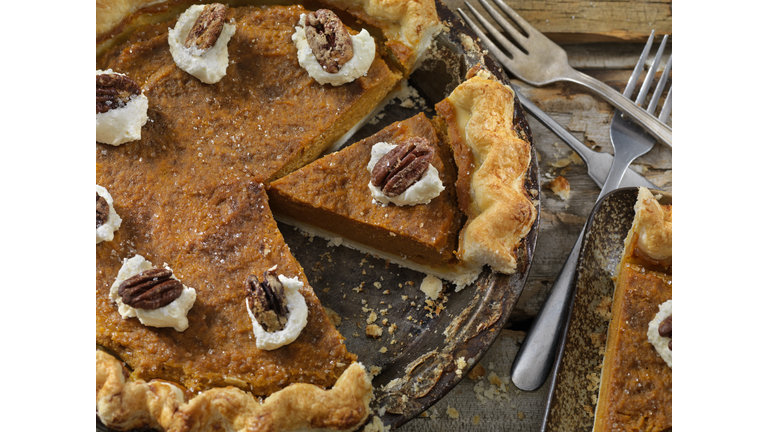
x=636, y=384
x=332, y=194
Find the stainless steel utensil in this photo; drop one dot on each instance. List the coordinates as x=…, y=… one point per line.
x=538, y=61
x=536, y=355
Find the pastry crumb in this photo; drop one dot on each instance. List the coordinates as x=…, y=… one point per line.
x=560, y=187
x=373, y=331
x=520, y=415
x=452, y=413
x=476, y=419
x=376, y=425
x=594, y=381
x=603, y=309
x=431, y=286
x=460, y=365
x=383, y=350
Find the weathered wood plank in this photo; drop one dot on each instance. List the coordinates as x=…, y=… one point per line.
x=567, y=21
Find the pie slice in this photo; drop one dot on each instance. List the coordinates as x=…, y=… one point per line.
x=332, y=194
x=636, y=384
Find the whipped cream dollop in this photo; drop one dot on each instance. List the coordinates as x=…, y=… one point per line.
x=363, y=47
x=661, y=343
x=106, y=232
x=297, y=317
x=121, y=125
x=173, y=314
x=422, y=192
x=208, y=66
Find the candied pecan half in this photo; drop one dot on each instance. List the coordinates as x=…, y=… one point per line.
x=267, y=301
x=329, y=40
x=150, y=289
x=207, y=28
x=403, y=166
x=665, y=329
x=102, y=210
x=114, y=91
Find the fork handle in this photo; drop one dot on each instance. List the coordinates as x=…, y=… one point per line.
x=537, y=353
x=654, y=126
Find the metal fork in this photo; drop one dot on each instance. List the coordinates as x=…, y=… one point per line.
x=537, y=353
x=539, y=61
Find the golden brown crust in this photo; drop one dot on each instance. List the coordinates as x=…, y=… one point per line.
x=493, y=163
x=653, y=226
x=110, y=13
x=126, y=403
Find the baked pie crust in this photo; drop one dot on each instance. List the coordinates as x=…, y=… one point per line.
x=493, y=161
x=636, y=383
x=131, y=403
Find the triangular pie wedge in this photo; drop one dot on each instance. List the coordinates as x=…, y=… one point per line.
x=332, y=194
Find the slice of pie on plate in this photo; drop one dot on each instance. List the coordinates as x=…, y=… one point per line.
x=636, y=383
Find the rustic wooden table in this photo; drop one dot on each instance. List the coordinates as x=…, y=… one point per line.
x=604, y=40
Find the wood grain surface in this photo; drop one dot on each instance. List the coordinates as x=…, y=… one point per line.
x=566, y=21
x=604, y=40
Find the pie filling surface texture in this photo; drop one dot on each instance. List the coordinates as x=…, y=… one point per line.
x=636, y=384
